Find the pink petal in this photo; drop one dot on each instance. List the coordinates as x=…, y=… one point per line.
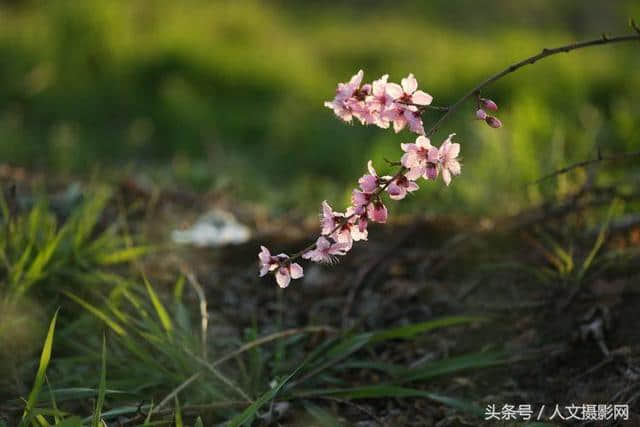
x=296, y=271
x=423, y=142
x=415, y=173
x=481, y=114
x=356, y=79
x=409, y=84
x=283, y=277
x=421, y=98
x=264, y=256
x=399, y=124
x=396, y=192
x=454, y=167
x=394, y=90
x=359, y=234
x=446, y=176
x=264, y=270
x=379, y=85
x=372, y=171
x=489, y=104
x=408, y=147
x=431, y=171
x=368, y=183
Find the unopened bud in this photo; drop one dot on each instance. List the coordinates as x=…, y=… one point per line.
x=481, y=114
x=488, y=104
x=493, y=122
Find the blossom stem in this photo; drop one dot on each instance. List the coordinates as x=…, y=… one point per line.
x=344, y=220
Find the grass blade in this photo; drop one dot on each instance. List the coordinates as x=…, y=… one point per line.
x=453, y=364
x=178, y=414
x=97, y=312
x=246, y=416
x=410, y=331
x=102, y=387
x=45, y=357
x=160, y=310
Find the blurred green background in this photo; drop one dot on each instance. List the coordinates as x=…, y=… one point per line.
x=228, y=95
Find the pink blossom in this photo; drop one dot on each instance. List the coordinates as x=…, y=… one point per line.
x=329, y=219
x=397, y=114
x=493, y=122
x=360, y=200
x=369, y=183
x=420, y=158
x=325, y=251
x=400, y=186
x=377, y=212
x=288, y=271
x=414, y=119
x=342, y=105
x=379, y=101
x=267, y=262
x=488, y=104
x=408, y=93
x=447, y=155
x=357, y=224
x=481, y=114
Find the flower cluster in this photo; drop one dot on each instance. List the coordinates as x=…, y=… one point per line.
x=381, y=103
x=481, y=114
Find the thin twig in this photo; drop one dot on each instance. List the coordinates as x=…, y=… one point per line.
x=617, y=157
x=530, y=60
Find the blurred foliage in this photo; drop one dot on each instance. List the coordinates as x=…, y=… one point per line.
x=229, y=94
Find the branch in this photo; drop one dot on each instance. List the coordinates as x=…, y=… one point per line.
x=530, y=60
x=617, y=157
x=474, y=92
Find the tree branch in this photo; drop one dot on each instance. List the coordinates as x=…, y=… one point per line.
x=530, y=60
x=475, y=91
x=617, y=157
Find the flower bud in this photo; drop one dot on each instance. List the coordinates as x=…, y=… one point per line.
x=480, y=114
x=493, y=122
x=488, y=104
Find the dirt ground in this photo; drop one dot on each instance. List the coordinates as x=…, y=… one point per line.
x=571, y=344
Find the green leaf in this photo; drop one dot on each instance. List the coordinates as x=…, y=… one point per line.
x=45, y=357
x=453, y=364
x=178, y=414
x=122, y=255
x=410, y=331
x=248, y=414
x=70, y=422
x=97, y=312
x=160, y=310
x=97, y=416
x=602, y=234
x=198, y=423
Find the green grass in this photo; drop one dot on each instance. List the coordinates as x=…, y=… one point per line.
x=153, y=358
